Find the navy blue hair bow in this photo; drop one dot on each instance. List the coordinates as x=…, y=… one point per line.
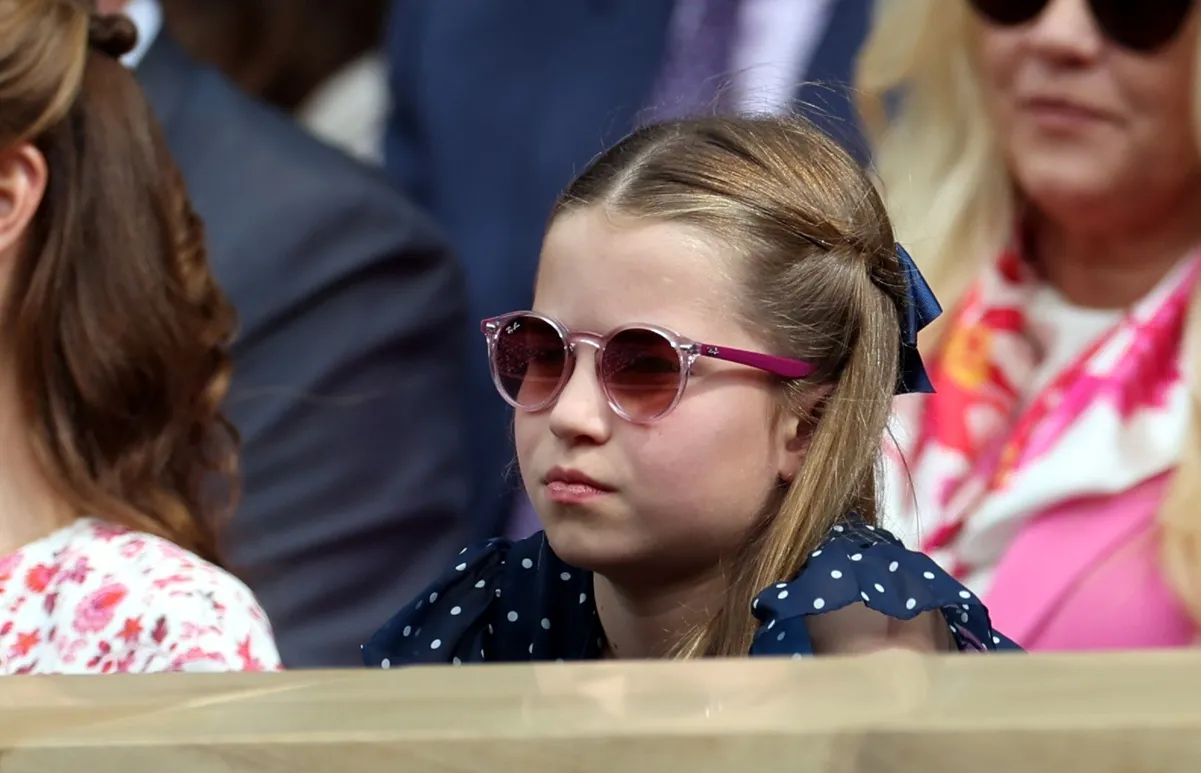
x=921, y=308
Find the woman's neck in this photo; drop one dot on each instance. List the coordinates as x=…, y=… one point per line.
x=1114, y=268
x=648, y=622
x=30, y=508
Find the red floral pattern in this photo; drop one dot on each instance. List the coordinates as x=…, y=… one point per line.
x=96, y=598
x=980, y=457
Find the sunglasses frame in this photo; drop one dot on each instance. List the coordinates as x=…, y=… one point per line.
x=687, y=350
x=1099, y=17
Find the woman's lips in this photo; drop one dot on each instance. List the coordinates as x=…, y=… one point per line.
x=1061, y=114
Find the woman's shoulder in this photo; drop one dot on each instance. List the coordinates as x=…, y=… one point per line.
x=99, y=597
x=865, y=566
x=107, y=553
x=453, y=620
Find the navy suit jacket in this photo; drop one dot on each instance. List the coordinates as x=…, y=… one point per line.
x=498, y=104
x=346, y=366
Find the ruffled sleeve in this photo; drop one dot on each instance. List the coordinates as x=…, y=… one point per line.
x=863, y=564
x=448, y=622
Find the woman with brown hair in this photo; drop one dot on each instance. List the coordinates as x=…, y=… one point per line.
x=115, y=461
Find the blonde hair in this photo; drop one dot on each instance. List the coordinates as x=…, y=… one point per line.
x=953, y=203
x=819, y=280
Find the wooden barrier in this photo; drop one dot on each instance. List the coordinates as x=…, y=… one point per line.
x=888, y=713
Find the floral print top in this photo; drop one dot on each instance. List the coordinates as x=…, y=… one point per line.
x=97, y=598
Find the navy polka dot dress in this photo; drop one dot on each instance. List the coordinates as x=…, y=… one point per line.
x=508, y=601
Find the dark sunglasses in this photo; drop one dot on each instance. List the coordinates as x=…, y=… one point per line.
x=1139, y=25
x=642, y=369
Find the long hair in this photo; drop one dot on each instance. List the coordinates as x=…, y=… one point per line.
x=118, y=330
x=818, y=280
x=952, y=201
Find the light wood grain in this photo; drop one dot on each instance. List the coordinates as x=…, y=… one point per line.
x=884, y=713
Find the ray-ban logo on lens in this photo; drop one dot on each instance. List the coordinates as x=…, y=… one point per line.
x=512, y=328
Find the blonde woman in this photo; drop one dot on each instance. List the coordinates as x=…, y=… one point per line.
x=1044, y=167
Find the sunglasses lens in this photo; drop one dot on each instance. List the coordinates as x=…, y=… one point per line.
x=640, y=370
x=1009, y=12
x=529, y=360
x=1141, y=25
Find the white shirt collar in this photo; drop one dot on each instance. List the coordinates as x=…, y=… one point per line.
x=147, y=16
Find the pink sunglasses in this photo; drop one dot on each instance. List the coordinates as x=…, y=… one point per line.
x=642, y=369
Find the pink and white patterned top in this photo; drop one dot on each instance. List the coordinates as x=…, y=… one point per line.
x=97, y=598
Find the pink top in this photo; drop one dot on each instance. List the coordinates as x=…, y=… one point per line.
x=1066, y=551
x=95, y=598
x=1087, y=575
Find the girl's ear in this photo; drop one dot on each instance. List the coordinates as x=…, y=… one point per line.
x=794, y=431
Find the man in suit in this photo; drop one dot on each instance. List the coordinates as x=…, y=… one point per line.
x=498, y=103
x=346, y=368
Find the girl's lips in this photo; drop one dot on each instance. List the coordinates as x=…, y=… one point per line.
x=566, y=492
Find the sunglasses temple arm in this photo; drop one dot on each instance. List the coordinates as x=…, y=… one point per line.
x=780, y=366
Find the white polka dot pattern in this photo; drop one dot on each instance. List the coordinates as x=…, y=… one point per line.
x=509, y=601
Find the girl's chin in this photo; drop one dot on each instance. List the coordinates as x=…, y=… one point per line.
x=592, y=545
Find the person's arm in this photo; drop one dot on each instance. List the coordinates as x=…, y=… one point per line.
x=346, y=393
x=858, y=629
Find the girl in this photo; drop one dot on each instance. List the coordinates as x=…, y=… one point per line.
x=703, y=499
x=113, y=366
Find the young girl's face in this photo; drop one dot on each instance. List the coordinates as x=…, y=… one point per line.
x=671, y=498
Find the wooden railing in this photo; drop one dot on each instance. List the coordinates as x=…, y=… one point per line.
x=888, y=713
